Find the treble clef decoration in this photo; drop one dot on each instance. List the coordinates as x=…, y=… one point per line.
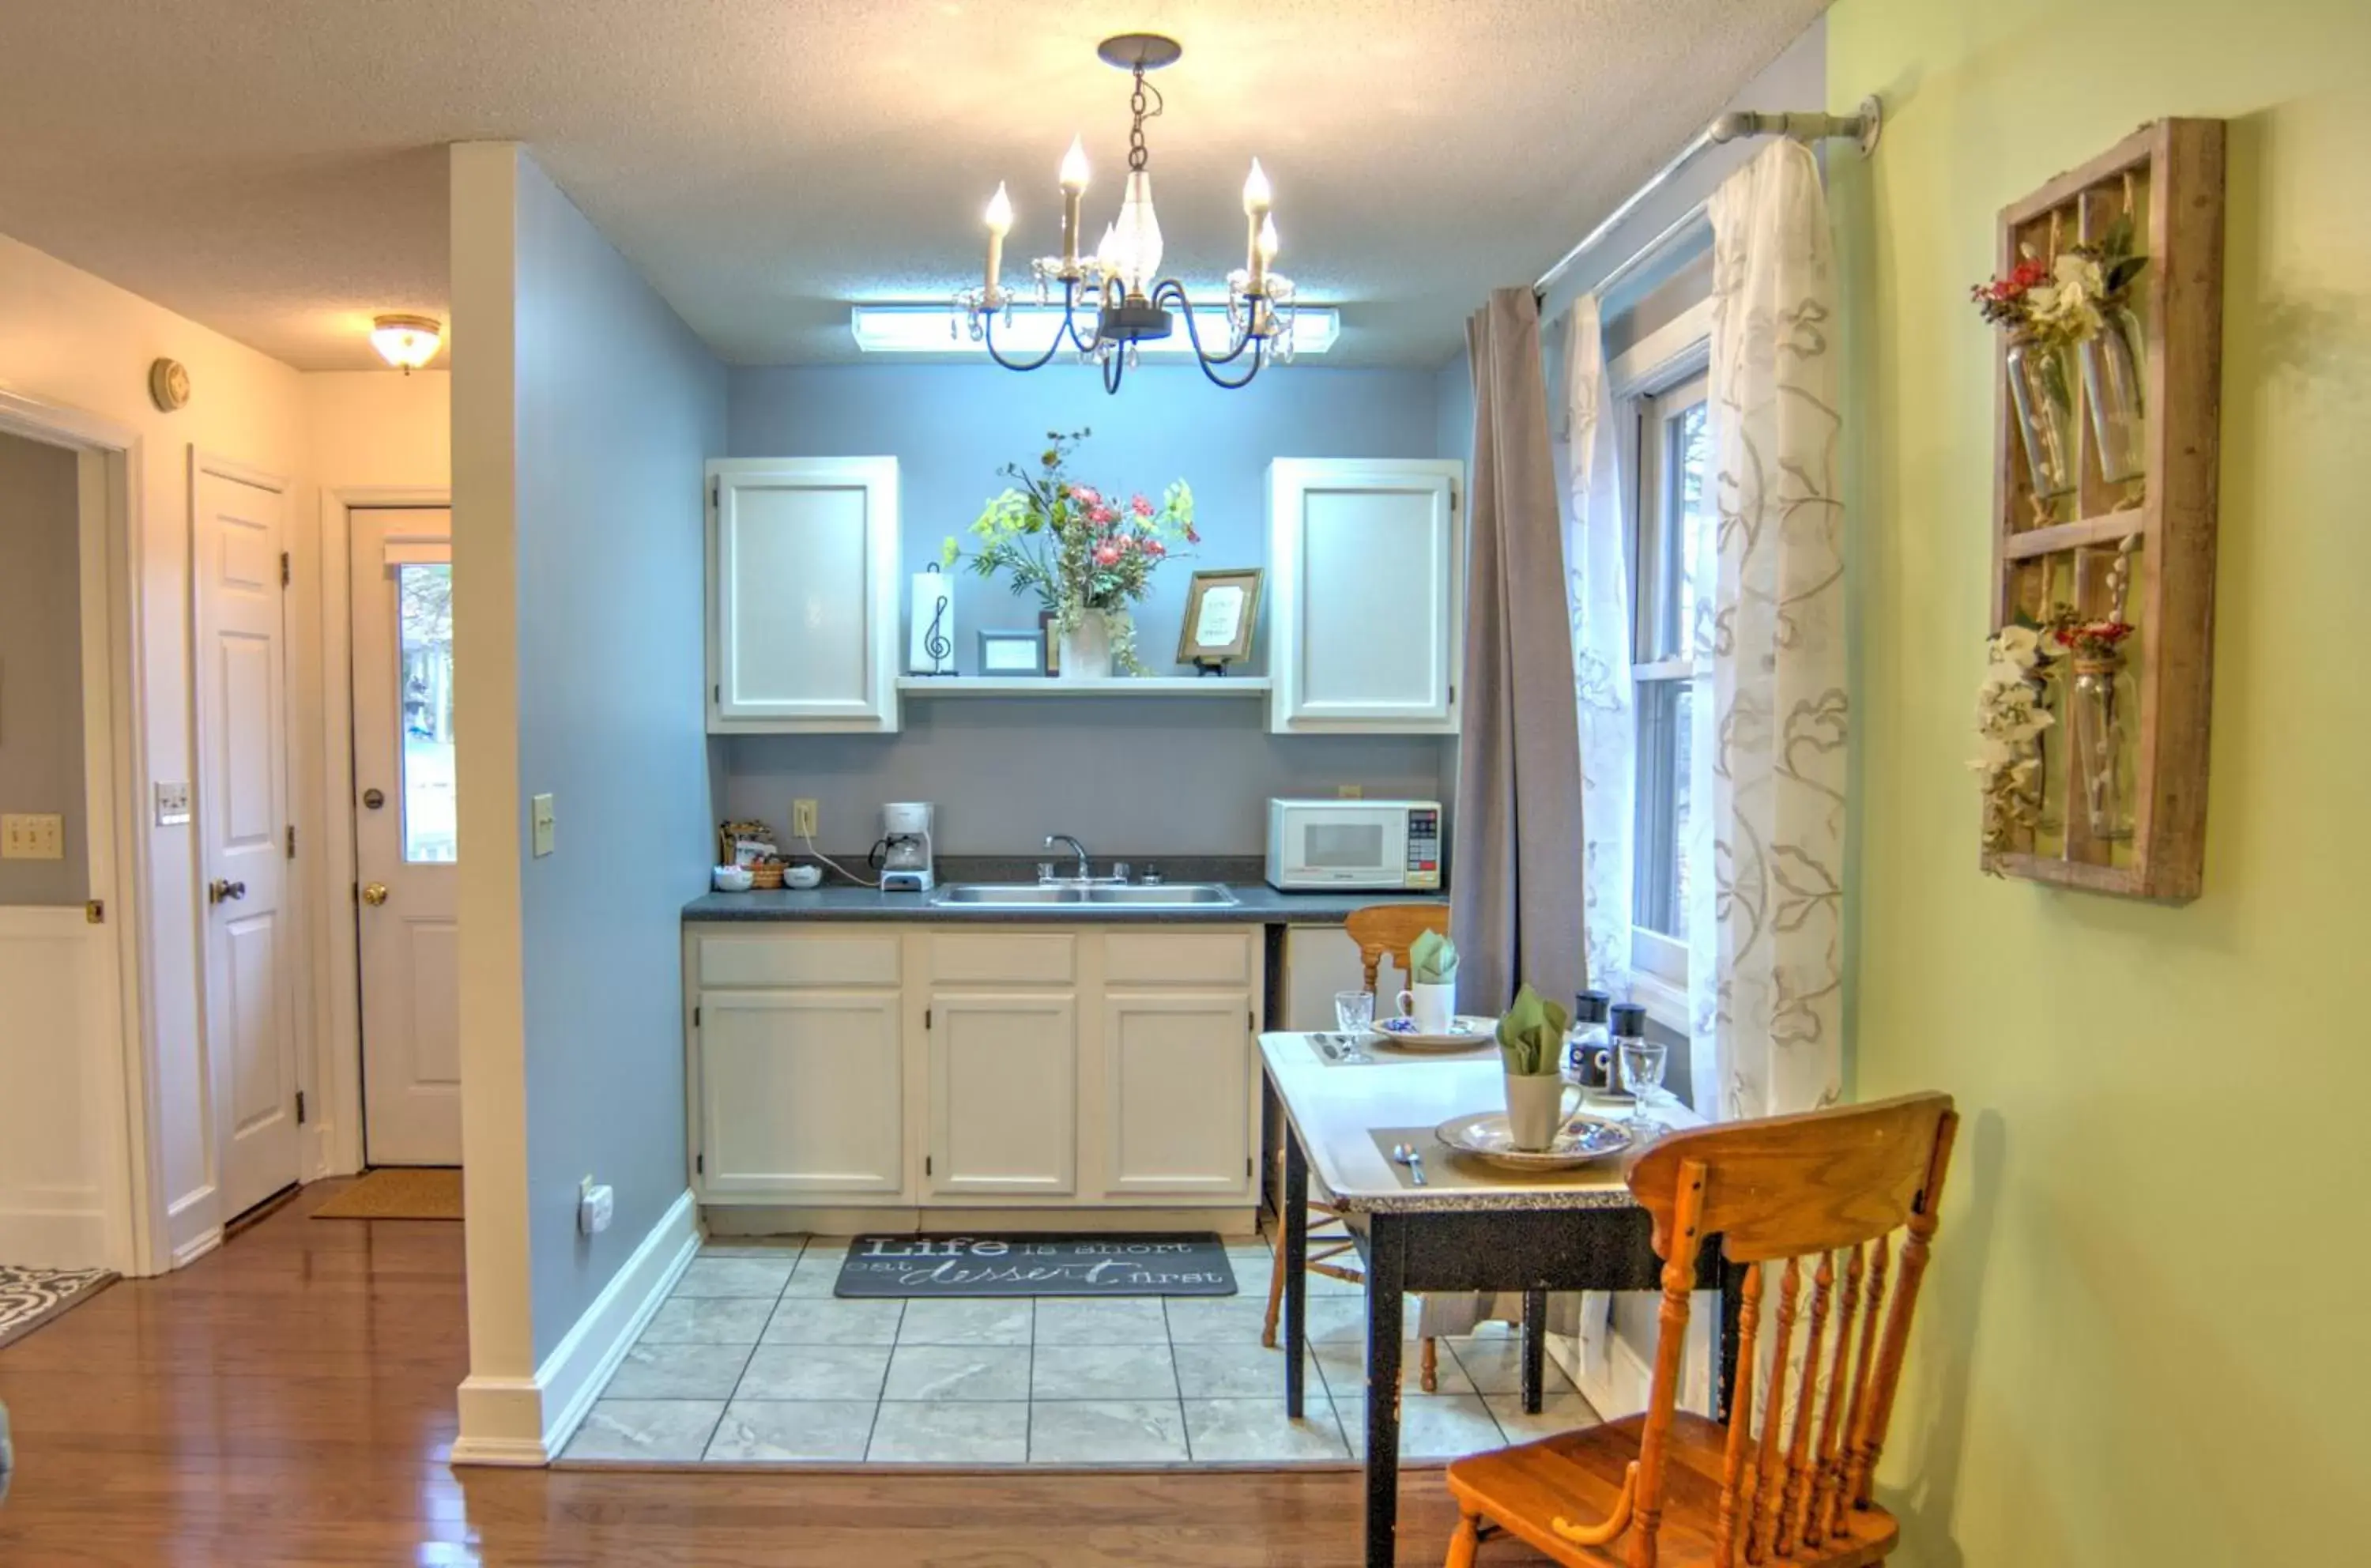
x=935, y=642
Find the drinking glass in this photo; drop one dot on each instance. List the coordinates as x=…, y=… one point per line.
x=1642, y=1066
x=1354, y=1011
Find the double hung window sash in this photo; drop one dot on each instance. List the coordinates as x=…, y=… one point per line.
x=1674, y=454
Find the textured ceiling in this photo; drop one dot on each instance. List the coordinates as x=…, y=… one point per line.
x=273, y=167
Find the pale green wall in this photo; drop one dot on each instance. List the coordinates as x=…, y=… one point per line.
x=2142, y=1339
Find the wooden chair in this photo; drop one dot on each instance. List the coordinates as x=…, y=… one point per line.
x=1673, y=1488
x=1381, y=930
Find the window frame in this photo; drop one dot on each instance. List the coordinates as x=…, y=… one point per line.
x=1669, y=360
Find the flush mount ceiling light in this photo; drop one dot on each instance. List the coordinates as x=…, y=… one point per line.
x=405, y=342
x=1125, y=307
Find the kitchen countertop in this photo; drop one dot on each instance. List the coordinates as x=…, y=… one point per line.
x=1258, y=905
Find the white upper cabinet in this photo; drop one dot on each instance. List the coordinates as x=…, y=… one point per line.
x=803, y=595
x=1368, y=561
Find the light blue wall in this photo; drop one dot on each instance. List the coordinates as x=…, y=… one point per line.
x=618, y=408
x=1129, y=777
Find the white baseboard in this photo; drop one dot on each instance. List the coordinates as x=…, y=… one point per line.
x=55, y=1229
x=523, y=1421
x=196, y=1247
x=1235, y=1219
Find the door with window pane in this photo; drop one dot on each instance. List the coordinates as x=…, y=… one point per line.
x=406, y=851
x=1674, y=529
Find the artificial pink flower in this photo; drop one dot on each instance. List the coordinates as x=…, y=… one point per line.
x=1107, y=555
x=1192, y=537
x=1102, y=516
x=1086, y=495
x=1140, y=506
x=1152, y=548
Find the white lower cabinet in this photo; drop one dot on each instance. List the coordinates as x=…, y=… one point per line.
x=1180, y=1110
x=1004, y=1081
x=945, y=1066
x=802, y=1093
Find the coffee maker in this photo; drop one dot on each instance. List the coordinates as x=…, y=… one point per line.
x=903, y=857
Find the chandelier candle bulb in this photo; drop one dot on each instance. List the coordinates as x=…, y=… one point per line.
x=1256, y=199
x=1073, y=180
x=1000, y=223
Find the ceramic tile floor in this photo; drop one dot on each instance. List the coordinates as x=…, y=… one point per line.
x=752, y=1360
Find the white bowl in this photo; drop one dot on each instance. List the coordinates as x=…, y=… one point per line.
x=731, y=878
x=803, y=877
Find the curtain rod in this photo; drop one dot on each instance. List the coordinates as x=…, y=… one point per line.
x=1735, y=126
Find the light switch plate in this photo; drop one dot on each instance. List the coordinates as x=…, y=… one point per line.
x=31, y=837
x=1349, y=792
x=539, y=821
x=173, y=805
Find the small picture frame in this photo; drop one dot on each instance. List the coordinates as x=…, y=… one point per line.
x=1222, y=614
x=1012, y=653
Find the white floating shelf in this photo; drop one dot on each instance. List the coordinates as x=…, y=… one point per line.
x=1041, y=686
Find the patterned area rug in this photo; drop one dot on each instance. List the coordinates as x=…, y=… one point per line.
x=29, y=1297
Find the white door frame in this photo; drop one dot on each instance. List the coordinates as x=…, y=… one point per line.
x=336, y=1145
x=110, y=468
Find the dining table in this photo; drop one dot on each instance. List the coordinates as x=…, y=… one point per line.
x=1456, y=1224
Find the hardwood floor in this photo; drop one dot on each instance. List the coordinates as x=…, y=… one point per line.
x=289, y=1400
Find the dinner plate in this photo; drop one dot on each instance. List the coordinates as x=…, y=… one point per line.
x=1581, y=1140
x=1465, y=1033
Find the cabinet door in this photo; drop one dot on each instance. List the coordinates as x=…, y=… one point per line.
x=802, y=603
x=800, y=1092
x=1369, y=628
x=1004, y=1073
x=1179, y=1093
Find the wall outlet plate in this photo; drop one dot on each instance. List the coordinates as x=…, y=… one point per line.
x=173, y=805
x=32, y=836
x=803, y=819
x=540, y=823
x=1349, y=792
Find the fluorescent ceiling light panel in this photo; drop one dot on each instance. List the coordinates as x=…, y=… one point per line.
x=923, y=329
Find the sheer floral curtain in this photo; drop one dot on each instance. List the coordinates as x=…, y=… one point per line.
x=1599, y=595
x=1765, y=926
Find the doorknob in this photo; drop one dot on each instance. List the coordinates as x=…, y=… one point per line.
x=374, y=894
x=374, y=799
x=218, y=891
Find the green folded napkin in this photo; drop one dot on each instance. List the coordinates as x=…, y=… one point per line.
x=1432, y=960
x=1532, y=1035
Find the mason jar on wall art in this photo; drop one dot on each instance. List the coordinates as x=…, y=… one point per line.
x=2040, y=391
x=2111, y=386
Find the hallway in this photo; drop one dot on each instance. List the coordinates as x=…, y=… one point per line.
x=289, y=1400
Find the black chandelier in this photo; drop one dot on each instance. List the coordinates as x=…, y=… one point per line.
x=1111, y=301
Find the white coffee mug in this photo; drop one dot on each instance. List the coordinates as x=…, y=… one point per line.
x=1536, y=1108
x=1432, y=1007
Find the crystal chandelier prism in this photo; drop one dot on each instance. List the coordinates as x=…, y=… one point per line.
x=1114, y=299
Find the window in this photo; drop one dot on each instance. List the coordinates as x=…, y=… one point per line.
x=1669, y=428
x=424, y=609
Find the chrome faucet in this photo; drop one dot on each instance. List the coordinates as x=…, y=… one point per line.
x=1086, y=870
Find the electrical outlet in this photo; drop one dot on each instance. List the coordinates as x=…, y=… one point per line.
x=32, y=837
x=803, y=819
x=1349, y=792
x=539, y=819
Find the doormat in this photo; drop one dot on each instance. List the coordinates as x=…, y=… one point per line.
x=1036, y=1265
x=29, y=1297
x=398, y=1191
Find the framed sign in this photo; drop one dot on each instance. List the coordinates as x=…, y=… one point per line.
x=1221, y=612
x=1012, y=653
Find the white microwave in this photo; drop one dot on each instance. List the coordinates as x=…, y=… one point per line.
x=1315, y=845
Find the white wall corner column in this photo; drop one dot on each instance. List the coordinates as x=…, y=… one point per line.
x=500, y=1402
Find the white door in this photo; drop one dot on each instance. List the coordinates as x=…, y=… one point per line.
x=404, y=843
x=1369, y=628
x=800, y=1092
x=242, y=799
x=1005, y=1074
x=803, y=596
x=1179, y=1088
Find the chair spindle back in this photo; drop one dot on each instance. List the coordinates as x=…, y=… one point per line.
x=1824, y=1194
x=1389, y=930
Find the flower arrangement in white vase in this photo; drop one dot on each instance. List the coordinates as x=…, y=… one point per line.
x=1087, y=556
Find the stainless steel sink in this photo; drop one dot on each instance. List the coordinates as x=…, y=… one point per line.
x=1038, y=895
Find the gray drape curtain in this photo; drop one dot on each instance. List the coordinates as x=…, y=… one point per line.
x=1515, y=897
